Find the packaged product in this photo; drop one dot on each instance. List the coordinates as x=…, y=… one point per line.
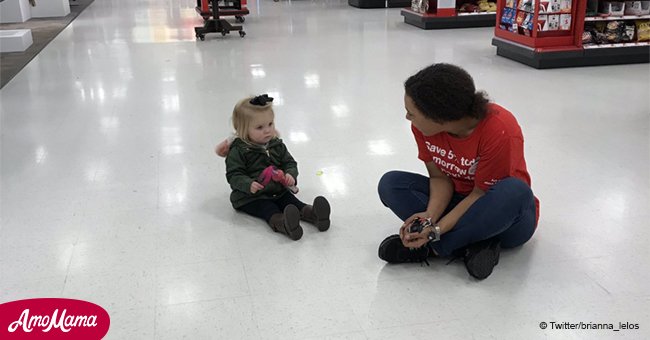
x=643, y=30
x=553, y=22
x=521, y=16
x=615, y=8
x=629, y=32
x=587, y=38
x=542, y=22
x=614, y=31
x=420, y=6
x=637, y=7
x=565, y=22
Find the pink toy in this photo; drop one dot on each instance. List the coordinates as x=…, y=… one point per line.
x=271, y=173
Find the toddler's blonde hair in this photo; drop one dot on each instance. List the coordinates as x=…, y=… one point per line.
x=243, y=114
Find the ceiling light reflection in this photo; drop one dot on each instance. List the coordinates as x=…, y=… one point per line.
x=298, y=137
x=312, y=81
x=340, y=110
x=101, y=94
x=258, y=72
x=171, y=103
x=40, y=154
x=172, y=198
x=176, y=192
x=173, y=150
x=334, y=181
x=379, y=147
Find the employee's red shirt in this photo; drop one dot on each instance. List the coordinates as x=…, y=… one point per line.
x=494, y=151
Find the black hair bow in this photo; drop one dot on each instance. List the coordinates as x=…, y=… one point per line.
x=261, y=100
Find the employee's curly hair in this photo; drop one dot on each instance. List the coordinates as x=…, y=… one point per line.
x=445, y=93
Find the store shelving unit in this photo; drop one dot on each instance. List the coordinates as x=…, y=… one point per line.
x=379, y=3
x=444, y=14
x=237, y=9
x=542, y=43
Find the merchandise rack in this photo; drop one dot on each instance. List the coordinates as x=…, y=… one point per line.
x=563, y=48
x=239, y=11
x=429, y=21
x=379, y=3
x=447, y=16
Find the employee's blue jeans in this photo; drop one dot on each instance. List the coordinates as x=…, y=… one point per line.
x=506, y=211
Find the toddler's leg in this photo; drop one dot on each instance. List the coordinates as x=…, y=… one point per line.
x=285, y=221
x=317, y=214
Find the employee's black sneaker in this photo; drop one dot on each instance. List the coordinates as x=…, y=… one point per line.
x=481, y=257
x=392, y=250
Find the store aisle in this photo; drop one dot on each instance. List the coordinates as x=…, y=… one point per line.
x=111, y=191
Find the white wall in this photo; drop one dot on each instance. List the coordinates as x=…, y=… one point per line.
x=50, y=8
x=15, y=11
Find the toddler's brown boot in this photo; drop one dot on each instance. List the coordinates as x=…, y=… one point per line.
x=287, y=223
x=318, y=213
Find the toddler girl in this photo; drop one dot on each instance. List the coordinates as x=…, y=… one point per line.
x=256, y=147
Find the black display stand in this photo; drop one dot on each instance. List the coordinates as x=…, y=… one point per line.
x=582, y=57
x=217, y=24
x=379, y=3
x=428, y=21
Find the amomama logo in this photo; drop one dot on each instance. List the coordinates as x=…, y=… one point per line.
x=51, y=318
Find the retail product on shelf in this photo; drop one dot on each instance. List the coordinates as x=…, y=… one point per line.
x=480, y=6
x=552, y=15
x=643, y=30
x=612, y=8
x=616, y=32
x=560, y=33
x=461, y=6
x=420, y=6
x=637, y=7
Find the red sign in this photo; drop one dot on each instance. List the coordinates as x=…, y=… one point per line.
x=51, y=318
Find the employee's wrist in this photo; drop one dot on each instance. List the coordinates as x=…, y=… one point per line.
x=433, y=231
x=432, y=215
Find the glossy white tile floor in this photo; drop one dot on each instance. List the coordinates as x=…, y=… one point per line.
x=111, y=192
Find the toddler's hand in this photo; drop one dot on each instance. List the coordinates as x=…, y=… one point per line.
x=289, y=180
x=255, y=187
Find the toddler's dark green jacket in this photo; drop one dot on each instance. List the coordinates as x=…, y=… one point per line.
x=246, y=161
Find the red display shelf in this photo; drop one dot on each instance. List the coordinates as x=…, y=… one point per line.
x=203, y=8
x=535, y=42
x=563, y=48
